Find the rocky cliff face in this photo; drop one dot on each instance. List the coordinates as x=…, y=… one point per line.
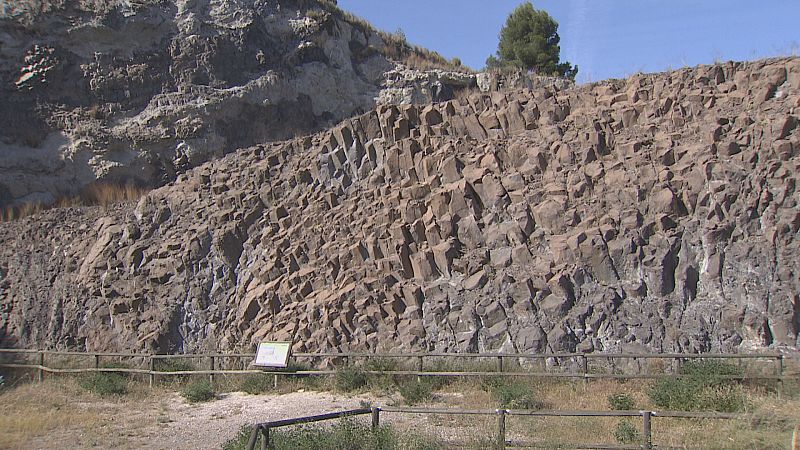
x=658, y=212
x=138, y=92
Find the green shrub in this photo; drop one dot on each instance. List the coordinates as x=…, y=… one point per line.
x=198, y=391
x=344, y=434
x=620, y=402
x=104, y=383
x=349, y=379
x=257, y=384
x=711, y=372
x=512, y=393
x=414, y=392
x=702, y=388
x=674, y=393
x=627, y=433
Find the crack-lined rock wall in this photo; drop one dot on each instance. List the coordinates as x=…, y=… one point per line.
x=658, y=213
x=122, y=92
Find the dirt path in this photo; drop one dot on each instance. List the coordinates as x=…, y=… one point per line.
x=62, y=415
x=209, y=425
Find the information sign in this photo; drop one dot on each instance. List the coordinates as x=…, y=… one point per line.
x=273, y=354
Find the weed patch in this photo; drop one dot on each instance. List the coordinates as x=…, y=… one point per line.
x=620, y=402
x=511, y=393
x=703, y=387
x=198, y=391
x=104, y=383
x=350, y=379
x=344, y=434
x=626, y=432
x=414, y=392
x=256, y=384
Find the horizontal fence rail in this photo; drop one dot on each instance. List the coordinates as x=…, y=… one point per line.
x=263, y=429
x=582, y=369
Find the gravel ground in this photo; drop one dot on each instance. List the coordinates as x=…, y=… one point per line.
x=209, y=425
x=167, y=421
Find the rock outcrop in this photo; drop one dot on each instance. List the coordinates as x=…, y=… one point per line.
x=658, y=212
x=139, y=92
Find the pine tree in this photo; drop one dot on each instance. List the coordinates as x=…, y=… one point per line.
x=530, y=40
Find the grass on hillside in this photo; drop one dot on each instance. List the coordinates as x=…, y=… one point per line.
x=99, y=194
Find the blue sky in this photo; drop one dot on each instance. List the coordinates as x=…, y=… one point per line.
x=605, y=38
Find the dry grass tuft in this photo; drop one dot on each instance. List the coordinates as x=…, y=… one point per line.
x=105, y=194
x=12, y=213
x=33, y=412
x=98, y=194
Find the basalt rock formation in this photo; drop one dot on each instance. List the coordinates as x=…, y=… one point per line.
x=658, y=212
x=138, y=92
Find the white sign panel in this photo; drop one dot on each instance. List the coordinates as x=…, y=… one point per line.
x=273, y=354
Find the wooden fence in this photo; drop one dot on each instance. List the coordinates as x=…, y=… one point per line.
x=581, y=366
x=261, y=431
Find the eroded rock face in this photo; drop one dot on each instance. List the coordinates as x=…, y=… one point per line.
x=139, y=92
x=656, y=213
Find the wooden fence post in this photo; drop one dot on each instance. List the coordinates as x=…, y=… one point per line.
x=96, y=361
x=376, y=418
x=152, y=370
x=647, y=438
x=779, y=373
x=213, y=367
x=584, y=362
x=251, y=443
x=499, y=363
x=501, y=428
x=40, y=376
x=264, y=438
